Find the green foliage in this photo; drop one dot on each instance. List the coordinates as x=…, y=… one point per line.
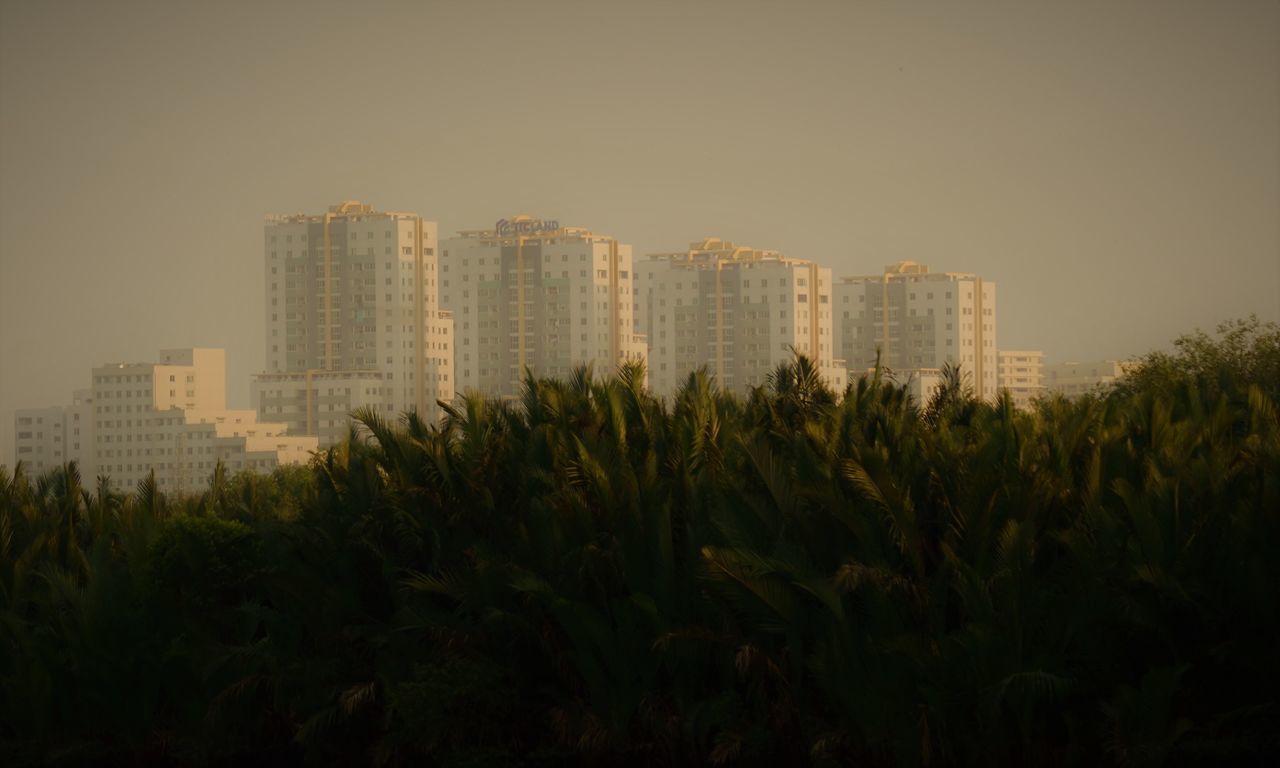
x=203, y=562
x=593, y=576
x=1245, y=352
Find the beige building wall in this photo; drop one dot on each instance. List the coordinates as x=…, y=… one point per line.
x=530, y=293
x=188, y=445
x=916, y=320
x=188, y=378
x=739, y=311
x=353, y=293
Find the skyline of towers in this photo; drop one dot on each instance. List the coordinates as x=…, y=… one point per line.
x=371, y=309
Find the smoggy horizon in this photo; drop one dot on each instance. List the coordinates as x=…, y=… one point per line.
x=1114, y=168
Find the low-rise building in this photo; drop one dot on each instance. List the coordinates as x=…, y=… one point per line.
x=168, y=417
x=920, y=383
x=1078, y=378
x=319, y=402
x=1022, y=375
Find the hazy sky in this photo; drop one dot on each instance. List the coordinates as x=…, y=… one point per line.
x=1114, y=166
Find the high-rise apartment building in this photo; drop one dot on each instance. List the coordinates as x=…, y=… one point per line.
x=353, y=319
x=1022, y=374
x=530, y=293
x=170, y=417
x=916, y=319
x=738, y=311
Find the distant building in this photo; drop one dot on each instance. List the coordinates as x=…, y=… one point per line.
x=914, y=319
x=353, y=319
x=40, y=438
x=739, y=311
x=1075, y=378
x=320, y=403
x=921, y=383
x=170, y=417
x=530, y=293
x=1022, y=374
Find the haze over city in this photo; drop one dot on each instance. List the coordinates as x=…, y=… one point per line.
x=1114, y=168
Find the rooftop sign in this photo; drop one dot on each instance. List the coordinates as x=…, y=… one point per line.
x=524, y=225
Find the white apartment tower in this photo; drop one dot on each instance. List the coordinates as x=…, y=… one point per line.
x=915, y=319
x=170, y=417
x=738, y=311
x=530, y=293
x=353, y=319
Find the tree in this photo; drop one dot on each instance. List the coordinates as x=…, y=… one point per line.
x=1244, y=352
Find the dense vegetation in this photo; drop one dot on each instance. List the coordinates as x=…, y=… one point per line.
x=596, y=577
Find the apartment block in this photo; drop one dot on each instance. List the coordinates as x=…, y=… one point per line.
x=533, y=294
x=913, y=319
x=1022, y=374
x=40, y=438
x=168, y=416
x=353, y=319
x=739, y=311
x=320, y=402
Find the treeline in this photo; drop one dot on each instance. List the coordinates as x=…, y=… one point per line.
x=592, y=576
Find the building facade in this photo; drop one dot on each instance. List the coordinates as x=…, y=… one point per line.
x=912, y=319
x=353, y=319
x=532, y=294
x=169, y=417
x=921, y=384
x=1075, y=378
x=40, y=438
x=1022, y=375
x=739, y=311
